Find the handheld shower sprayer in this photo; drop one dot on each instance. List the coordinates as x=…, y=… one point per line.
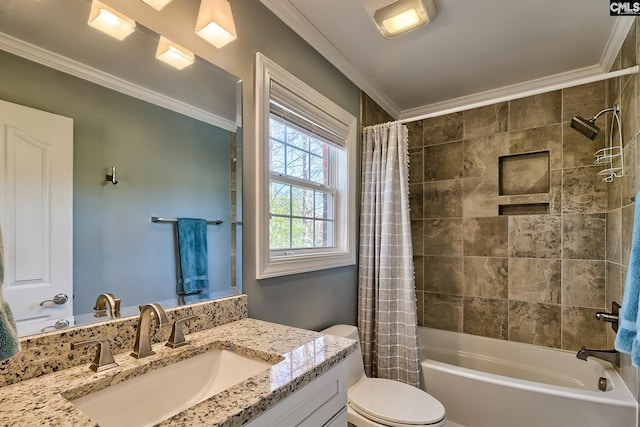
x=587, y=127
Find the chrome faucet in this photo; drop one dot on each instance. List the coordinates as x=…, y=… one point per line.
x=142, y=347
x=611, y=356
x=101, y=305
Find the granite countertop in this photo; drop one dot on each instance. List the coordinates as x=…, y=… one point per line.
x=298, y=356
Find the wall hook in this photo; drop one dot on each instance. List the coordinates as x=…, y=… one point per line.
x=112, y=177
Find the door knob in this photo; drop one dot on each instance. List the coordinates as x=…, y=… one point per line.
x=60, y=324
x=58, y=299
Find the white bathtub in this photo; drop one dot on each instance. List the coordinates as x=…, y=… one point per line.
x=484, y=382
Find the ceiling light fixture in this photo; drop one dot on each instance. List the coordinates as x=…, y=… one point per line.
x=215, y=22
x=174, y=54
x=157, y=4
x=110, y=21
x=402, y=16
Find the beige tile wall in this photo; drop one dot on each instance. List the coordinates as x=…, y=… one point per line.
x=371, y=113
x=536, y=279
x=532, y=278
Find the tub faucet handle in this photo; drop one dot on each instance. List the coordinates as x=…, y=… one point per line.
x=613, y=317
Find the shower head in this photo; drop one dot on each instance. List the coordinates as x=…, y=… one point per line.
x=586, y=127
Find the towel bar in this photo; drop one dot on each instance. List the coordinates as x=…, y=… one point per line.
x=160, y=219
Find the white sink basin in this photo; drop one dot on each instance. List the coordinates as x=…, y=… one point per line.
x=159, y=394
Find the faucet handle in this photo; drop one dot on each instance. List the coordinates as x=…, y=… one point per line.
x=104, y=358
x=177, y=338
x=613, y=317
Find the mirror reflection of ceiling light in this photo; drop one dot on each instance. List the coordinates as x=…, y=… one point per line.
x=157, y=4
x=173, y=54
x=110, y=21
x=215, y=22
x=402, y=16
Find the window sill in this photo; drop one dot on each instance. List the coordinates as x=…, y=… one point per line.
x=288, y=265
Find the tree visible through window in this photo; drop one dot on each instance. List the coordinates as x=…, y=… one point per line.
x=306, y=176
x=301, y=207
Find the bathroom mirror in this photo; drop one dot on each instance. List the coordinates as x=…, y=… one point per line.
x=174, y=137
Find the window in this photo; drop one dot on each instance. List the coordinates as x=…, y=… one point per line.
x=306, y=176
x=301, y=204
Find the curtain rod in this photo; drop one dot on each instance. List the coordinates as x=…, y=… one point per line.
x=550, y=88
x=379, y=125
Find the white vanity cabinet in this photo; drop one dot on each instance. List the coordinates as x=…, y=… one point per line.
x=322, y=402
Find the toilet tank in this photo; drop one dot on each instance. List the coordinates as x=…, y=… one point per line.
x=354, y=360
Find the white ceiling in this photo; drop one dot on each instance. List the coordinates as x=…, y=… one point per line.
x=474, y=50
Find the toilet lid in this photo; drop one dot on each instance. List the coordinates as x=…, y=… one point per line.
x=395, y=402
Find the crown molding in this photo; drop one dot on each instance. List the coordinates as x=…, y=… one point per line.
x=69, y=66
x=505, y=93
x=616, y=39
x=294, y=19
x=614, y=44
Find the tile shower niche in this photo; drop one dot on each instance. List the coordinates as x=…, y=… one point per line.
x=521, y=175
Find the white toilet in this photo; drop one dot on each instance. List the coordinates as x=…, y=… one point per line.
x=375, y=402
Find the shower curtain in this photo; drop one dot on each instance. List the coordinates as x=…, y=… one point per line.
x=386, y=293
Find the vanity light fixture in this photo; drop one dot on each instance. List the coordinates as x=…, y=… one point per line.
x=157, y=4
x=174, y=54
x=110, y=21
x=215, y=22
x=402, y=16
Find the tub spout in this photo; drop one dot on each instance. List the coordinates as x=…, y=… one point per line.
x=611, y=356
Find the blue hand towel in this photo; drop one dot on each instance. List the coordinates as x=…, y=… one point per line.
x=192, y=248
x=9, y=344
x=627, y=337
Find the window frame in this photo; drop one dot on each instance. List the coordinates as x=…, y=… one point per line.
x=300, y=261
x=292, y=181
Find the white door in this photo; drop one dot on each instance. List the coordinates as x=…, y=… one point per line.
x=36, y=216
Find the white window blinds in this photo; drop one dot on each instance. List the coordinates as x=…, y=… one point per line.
x=294, y=109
